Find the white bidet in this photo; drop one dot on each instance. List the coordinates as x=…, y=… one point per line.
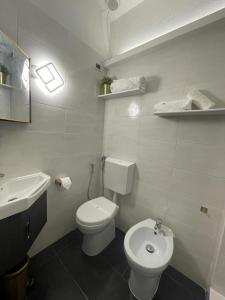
x=148, y=252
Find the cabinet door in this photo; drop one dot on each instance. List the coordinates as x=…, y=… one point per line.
x=18, y=232
x=13, y=241
x=37, y=218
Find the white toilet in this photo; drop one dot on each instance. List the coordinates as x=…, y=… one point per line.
x=95, y=218
x=148, y=251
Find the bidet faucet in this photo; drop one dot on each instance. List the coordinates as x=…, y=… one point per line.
x=158, y=225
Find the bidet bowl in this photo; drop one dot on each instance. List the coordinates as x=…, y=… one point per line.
x=148, y=254
x=138, y=238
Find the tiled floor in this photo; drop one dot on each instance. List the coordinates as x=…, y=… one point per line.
x=63, y=272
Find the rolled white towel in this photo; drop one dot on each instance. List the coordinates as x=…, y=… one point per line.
x=200, y=100
x=125, y=84
x=173, y=106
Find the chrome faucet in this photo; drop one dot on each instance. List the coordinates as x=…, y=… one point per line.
x=158, y=226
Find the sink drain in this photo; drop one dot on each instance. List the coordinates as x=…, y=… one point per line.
x=150, y=248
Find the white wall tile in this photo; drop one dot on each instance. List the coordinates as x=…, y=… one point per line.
x=65, y=135
x=200, y=158
x=206, y=131
x=180, y=161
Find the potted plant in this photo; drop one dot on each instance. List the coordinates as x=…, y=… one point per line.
x=3, y=74
x=106, y=82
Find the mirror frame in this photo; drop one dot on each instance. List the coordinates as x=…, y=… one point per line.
x=25, y=54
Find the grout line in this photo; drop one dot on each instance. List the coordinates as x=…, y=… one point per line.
x=74, y=281
x=121, y=275
x=118, y=273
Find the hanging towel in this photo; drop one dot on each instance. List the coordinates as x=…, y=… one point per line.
x=173, y=106
x=125, y=84
x=200, y=100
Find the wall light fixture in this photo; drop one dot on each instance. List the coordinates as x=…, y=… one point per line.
x=50, y=77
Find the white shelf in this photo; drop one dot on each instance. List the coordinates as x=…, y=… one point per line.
x=208, y=112
x=122, y=94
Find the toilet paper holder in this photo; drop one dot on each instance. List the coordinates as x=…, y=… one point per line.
x=63, y=182
x=58, y=182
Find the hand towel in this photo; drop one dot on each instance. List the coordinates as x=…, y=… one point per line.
x=173, y=106
x=200, y=100
x=125, y=84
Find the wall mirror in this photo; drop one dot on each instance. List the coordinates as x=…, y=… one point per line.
x=15, y=98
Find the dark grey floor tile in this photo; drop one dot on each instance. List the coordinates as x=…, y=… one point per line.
x=63, y=271
x=114, y=253
x=39, y=260
x=55, y=283
x=74, y=236
x=189, y=285
x=126, y=274
x=169, y=289
x=94, y=275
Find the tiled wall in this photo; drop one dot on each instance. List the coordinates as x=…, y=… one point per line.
x=180, y=161
x=67, y=127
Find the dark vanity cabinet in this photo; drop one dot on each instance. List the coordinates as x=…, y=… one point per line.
x=18, y=232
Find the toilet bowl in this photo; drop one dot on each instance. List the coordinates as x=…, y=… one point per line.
x=95, y=219
x=148, y=253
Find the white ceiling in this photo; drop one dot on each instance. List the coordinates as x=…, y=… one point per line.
x=154, y=18
x=81, y=17
x=124, y=7
x=135, y=22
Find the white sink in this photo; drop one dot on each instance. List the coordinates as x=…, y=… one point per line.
x=18, y=194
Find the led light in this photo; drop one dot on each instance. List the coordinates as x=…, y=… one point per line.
x=50, y=77
x=45, y=74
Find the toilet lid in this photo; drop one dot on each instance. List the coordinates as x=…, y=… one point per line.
x=97, y=211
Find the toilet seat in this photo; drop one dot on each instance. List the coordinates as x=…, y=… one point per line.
x=96, y=213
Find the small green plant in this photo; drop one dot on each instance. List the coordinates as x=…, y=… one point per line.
x=3, y=69
x=107, y=80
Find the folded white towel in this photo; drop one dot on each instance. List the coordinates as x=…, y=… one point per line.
x=173, y=106
x=200, y=100
x=125, y=84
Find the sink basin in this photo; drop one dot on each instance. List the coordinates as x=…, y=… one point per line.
x=18, y=194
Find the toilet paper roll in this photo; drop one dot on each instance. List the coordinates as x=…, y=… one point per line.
x=64, y=182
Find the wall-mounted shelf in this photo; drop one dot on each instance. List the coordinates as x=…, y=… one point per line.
x=122, y=94
x=208, y=112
